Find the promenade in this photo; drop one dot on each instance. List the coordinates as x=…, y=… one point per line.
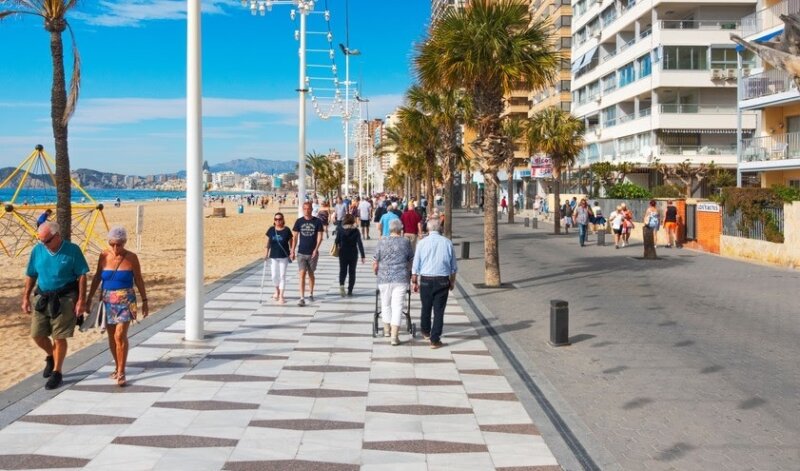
x=278, y=388
x=688, y=362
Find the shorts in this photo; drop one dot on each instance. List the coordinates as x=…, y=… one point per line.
x=365, y=223
x=62, y=327
x=618, y=230
x=307, y=262
x=670, y=226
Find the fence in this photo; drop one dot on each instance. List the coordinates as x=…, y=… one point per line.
x=637, y=206
x=731, y=223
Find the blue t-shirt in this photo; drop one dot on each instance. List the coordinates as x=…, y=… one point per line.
x=385, y=222
x=55, y=270
x=307, y=230
x=279, y=241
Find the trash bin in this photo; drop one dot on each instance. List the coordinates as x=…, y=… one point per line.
x=240, y=209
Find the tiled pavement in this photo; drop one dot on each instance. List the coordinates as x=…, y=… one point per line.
x=288, y=388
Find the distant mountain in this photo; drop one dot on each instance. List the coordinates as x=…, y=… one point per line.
x=247, y=166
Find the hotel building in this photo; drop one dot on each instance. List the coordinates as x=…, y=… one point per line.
x=658, y=80
x=772, y=155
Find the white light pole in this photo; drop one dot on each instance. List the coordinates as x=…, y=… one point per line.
x=346, y=115
x=304, y=7
x=193, y=330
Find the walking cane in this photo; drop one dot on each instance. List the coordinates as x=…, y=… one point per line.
x=263, y=275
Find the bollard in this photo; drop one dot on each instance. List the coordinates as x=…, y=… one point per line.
x=527, y=222
x=601, y=237
x=465, y=250
x=559, y=323
x=535, y=223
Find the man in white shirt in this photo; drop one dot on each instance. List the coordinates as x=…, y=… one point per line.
x=364, y=213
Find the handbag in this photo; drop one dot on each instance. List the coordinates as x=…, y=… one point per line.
x=96, y=319
x=334, y=250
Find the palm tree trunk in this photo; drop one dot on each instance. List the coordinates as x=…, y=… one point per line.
x=468, y=190
x=58, y=103
x=491, y=254
x=448, y=206
x=429, y=193
x=556, y=202
x=511, y=194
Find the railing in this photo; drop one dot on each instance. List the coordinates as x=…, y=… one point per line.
x=767, y=83
x=732, y=225
x=774, y=147
x=696, y=109
x=710, y=25
x=768, y=17
x=697, y=150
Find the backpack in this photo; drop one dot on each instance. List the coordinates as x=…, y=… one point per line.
x=652, y=221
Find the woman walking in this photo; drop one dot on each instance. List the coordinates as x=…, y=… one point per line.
x=118, y=269
x=279, y=241
x=392, y=264
x=617, y=219
x=582, y=216
x=324, y=215
x=348, y=239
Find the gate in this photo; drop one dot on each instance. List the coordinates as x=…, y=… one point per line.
x=691, y=222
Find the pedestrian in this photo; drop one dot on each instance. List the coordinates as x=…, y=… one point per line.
x=119, y=270
x=58, y=270
x=306, y=239
x=503, y=205
x=383, y=225
x=574, y=202
x=43, y=217
x=380, y=210
x=617, y=218
x=566, y=215
x=581, y=217
x=279, y=243
x=652, y=220
x=324, y=215
x=364, y=213
x=339, y=210
x=348, y=239
x=599, y=220
x=433, y=276
x=671, y=225
x=537, y=206
x=412, y=225
x=628, y=225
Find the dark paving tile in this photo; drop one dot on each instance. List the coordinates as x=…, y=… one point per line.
x=244, y=356
x=288, y=465
x=230, y=378
x=307, y=424
x=331, y=349
x=471, y=352
x=77, y=419
x=458, y=324
x=114, y=389
x=494, y=396
x=416, y=382
x=273, y=327
x=426, y=446
x=417, y=360
x=259, y=340
x=175, y=441
x=331, y=321
x=420, y=410
x=205, y=405
x=522, y=429
x=327, y=368
x=317, y=393
x=462, y=336
x=335, y=334
x=40, y=462
x=484, y=372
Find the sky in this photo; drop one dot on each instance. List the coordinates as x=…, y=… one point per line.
x=131, y=114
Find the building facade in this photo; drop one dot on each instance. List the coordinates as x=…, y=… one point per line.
x=657, y=80
x=772, y=155
x=439, y=7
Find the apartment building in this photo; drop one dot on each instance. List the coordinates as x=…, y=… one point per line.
x=559, y=13
x=439, y=7
x=772, y=155
x=658, y=80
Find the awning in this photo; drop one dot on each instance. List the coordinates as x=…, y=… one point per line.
x=587, y=58
x=702, y=131
x=763, y=38
x=577, y=64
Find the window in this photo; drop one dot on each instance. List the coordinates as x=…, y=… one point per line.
x=685, y=58
x=626, y=74
x=794, y=184
x=609, y=82
x=564, y=20
x=566, y=2
x=566, y=42
x=565, y=64
x=593, y=90
x=645, y=66
x=580, y=36
x=579, y=8
x=723, y=58
x=565, y=106
x=609, y=116
x=609, y=15
x=564, y=86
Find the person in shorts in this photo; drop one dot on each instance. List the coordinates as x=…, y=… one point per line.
x=671, y=225
x=306, y=239
x=58, y=270
x=364, y=213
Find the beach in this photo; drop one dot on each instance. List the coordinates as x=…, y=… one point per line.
x=230, y=243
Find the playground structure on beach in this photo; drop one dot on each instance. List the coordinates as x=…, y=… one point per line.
x=34, y=191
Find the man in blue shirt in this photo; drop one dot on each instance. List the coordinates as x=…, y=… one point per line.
x=433, y=275
x=388, y=216
x=58, y=269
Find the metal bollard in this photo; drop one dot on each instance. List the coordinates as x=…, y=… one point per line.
x=465, y=250
x=535, y=223
x=559, y=323
x=601, y=237
x=527, y=222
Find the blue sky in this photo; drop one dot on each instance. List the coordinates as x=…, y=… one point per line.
x=131, y=113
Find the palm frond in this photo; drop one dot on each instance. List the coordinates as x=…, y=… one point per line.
x=75, y=80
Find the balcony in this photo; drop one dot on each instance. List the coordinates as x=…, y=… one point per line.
x=776, y=147
x=768, y=17
x=695, y=109
x=706, y=25
x=766, y=83
x=689, y=151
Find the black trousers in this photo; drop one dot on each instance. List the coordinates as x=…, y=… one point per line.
x=347, y=267
x=433, y=292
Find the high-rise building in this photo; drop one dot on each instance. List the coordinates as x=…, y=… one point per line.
x=559, y=13
x=658, y=80
x=439, y=7
x=772, y=155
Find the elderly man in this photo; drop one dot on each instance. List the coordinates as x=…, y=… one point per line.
x=433, y=275
x=58, y=269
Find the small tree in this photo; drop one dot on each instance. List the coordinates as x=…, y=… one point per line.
x=690, y=175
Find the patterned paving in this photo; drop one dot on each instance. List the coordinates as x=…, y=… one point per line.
x=282, y=387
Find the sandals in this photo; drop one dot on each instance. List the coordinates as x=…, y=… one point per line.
x=113, y=375
x=121, y=380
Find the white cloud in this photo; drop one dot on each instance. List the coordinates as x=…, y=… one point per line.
x=114, y=13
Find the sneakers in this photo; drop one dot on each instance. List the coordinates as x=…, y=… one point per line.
x=426, y=335
x=301, y=302
x=341, y=291
x=54, y=381
x=49, y=364
x=387, y=330
x=311, y=297
x=436, y=345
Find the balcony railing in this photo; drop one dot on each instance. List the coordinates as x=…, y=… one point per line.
x=710, y=25
x=768, y=17
x=774, y=147
x=696, y=109
x=767, y=83
x=697, y=150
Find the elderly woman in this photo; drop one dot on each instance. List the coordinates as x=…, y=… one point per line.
x=119, y=271
x=392, y=264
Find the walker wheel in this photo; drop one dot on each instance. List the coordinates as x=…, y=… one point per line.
x=413, y=331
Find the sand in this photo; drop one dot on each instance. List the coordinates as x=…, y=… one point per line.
x=230, y=243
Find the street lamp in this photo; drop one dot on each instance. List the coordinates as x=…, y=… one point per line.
x=346, y=115
x=304, y=8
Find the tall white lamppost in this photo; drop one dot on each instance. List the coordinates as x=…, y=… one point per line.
x=360, y=101
x=304, y=7
x=346, y=115
x=193, y=330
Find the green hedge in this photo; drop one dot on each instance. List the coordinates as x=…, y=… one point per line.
x=628, y=191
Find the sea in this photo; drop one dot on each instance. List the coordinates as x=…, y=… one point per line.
x=48, y=195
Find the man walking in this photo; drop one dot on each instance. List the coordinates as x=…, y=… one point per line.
x=412, y=225
x=364, y=212
x=389, y=215
x=306, y=239
x=433, y=275
x=58, y=269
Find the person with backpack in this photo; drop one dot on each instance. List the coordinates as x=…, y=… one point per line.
x=652, y=220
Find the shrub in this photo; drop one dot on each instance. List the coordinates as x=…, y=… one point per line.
x=628, y=191
x=752, y=202
x=667, y=191
x=787, y=193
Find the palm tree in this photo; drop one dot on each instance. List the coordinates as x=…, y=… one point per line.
x=318, y=163
x=62, y=106
x=486, y=49
x=407, y=140
x=558, y=134
x=421, y=139
x=514, y=130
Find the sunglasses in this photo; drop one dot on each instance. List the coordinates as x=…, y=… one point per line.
x=48, y=240
x=278, y=219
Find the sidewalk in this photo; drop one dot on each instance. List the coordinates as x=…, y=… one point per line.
x=281, y=388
